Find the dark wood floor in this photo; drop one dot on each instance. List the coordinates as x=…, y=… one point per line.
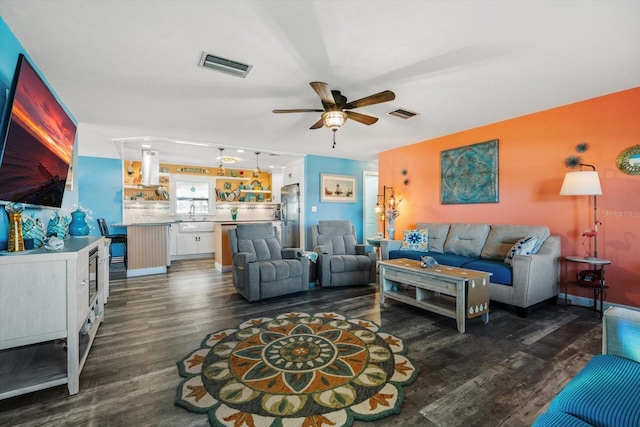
x=499, y=374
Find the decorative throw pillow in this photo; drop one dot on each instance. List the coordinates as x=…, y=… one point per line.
x=524, y=246
x=415, y=240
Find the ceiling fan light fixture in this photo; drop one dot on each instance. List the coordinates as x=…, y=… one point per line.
x=224, y=65
x=334, y=119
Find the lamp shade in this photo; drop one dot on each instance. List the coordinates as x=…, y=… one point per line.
x=581, y=183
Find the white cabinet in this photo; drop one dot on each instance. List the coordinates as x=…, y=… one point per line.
x=195, y=238
x=292, y=174
x=200, y=244
x=51, y=304
x=276, y=186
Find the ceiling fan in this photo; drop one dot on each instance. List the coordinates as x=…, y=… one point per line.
x=334, y=105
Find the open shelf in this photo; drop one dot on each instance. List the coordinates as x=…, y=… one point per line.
x=32, y=367
x=233, y=178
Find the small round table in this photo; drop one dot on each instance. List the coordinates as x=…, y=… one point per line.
x=599, y=287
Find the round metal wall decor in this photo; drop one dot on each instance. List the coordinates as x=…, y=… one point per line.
x=628, y=160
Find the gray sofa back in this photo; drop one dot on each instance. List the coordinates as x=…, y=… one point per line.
x=437, y=235
x=502, y=237
x=480, y=240
x=466, y=239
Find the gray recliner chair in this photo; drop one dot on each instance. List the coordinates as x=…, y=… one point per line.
x=341, y=260
x=261, y=267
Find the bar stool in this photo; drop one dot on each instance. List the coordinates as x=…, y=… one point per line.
x=115, y=239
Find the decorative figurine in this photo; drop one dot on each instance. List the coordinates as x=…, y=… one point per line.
x=427, y=262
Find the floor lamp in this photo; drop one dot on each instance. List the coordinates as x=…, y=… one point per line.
x=585, y=183
x=380, y=210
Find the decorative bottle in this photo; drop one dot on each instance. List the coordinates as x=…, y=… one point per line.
x=16, y=239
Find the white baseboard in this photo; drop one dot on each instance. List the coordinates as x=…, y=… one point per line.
x=588, y=302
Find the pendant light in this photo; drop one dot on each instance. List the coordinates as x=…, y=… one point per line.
x=256, y=171
x=221, y=170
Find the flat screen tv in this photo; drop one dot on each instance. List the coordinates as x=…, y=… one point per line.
x=36, y=148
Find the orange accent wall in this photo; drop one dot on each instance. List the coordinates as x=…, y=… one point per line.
x=531, y=152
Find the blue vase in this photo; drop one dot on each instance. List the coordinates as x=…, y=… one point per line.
x=78, y=226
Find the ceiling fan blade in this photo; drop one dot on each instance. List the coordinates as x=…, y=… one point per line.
x=317, y=125
x=323, y=91
x=298, y=110
x=383, y=96
x=362, y=118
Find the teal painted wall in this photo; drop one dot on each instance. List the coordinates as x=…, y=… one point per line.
x=100, y=189
x=315, y=166
x=100, y=192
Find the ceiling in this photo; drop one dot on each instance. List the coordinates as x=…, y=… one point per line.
x=128, y=69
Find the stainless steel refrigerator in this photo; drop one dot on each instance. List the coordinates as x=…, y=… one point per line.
x=290, y=216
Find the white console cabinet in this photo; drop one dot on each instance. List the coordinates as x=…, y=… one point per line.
x=51, y=304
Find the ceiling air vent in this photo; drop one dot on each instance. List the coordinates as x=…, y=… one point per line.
x=402, y=113
x=225, y=65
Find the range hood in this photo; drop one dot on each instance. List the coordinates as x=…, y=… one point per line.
x=150, y=168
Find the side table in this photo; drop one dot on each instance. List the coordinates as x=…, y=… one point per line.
x=599, y=287
x=376, y=247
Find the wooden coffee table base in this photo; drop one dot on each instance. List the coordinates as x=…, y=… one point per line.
x=453, y=292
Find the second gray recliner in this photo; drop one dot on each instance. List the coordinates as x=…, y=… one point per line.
x=341, y=260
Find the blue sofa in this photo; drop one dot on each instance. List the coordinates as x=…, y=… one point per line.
x=528, y=280
x=606, y=392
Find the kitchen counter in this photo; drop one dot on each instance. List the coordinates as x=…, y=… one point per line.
x=147, y=248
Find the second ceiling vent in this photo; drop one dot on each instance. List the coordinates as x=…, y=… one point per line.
x=224, y=65
x=402, y=113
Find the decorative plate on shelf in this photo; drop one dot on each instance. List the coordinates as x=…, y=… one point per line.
x=227, y=186
x=250, y=197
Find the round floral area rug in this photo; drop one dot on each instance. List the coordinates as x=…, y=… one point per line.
x=296, y=370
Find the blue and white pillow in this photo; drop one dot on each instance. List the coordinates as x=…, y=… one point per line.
x=524, y=246
x=415, y=240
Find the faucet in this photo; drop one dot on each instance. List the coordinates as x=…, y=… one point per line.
x=192, y=210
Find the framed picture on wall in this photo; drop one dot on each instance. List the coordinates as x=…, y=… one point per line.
x=337, y=188
x=469, y=174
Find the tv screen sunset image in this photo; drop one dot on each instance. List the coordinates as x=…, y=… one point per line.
x=38, y=148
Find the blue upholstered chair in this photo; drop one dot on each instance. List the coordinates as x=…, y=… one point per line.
x=605, y=392
x=261, y=267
